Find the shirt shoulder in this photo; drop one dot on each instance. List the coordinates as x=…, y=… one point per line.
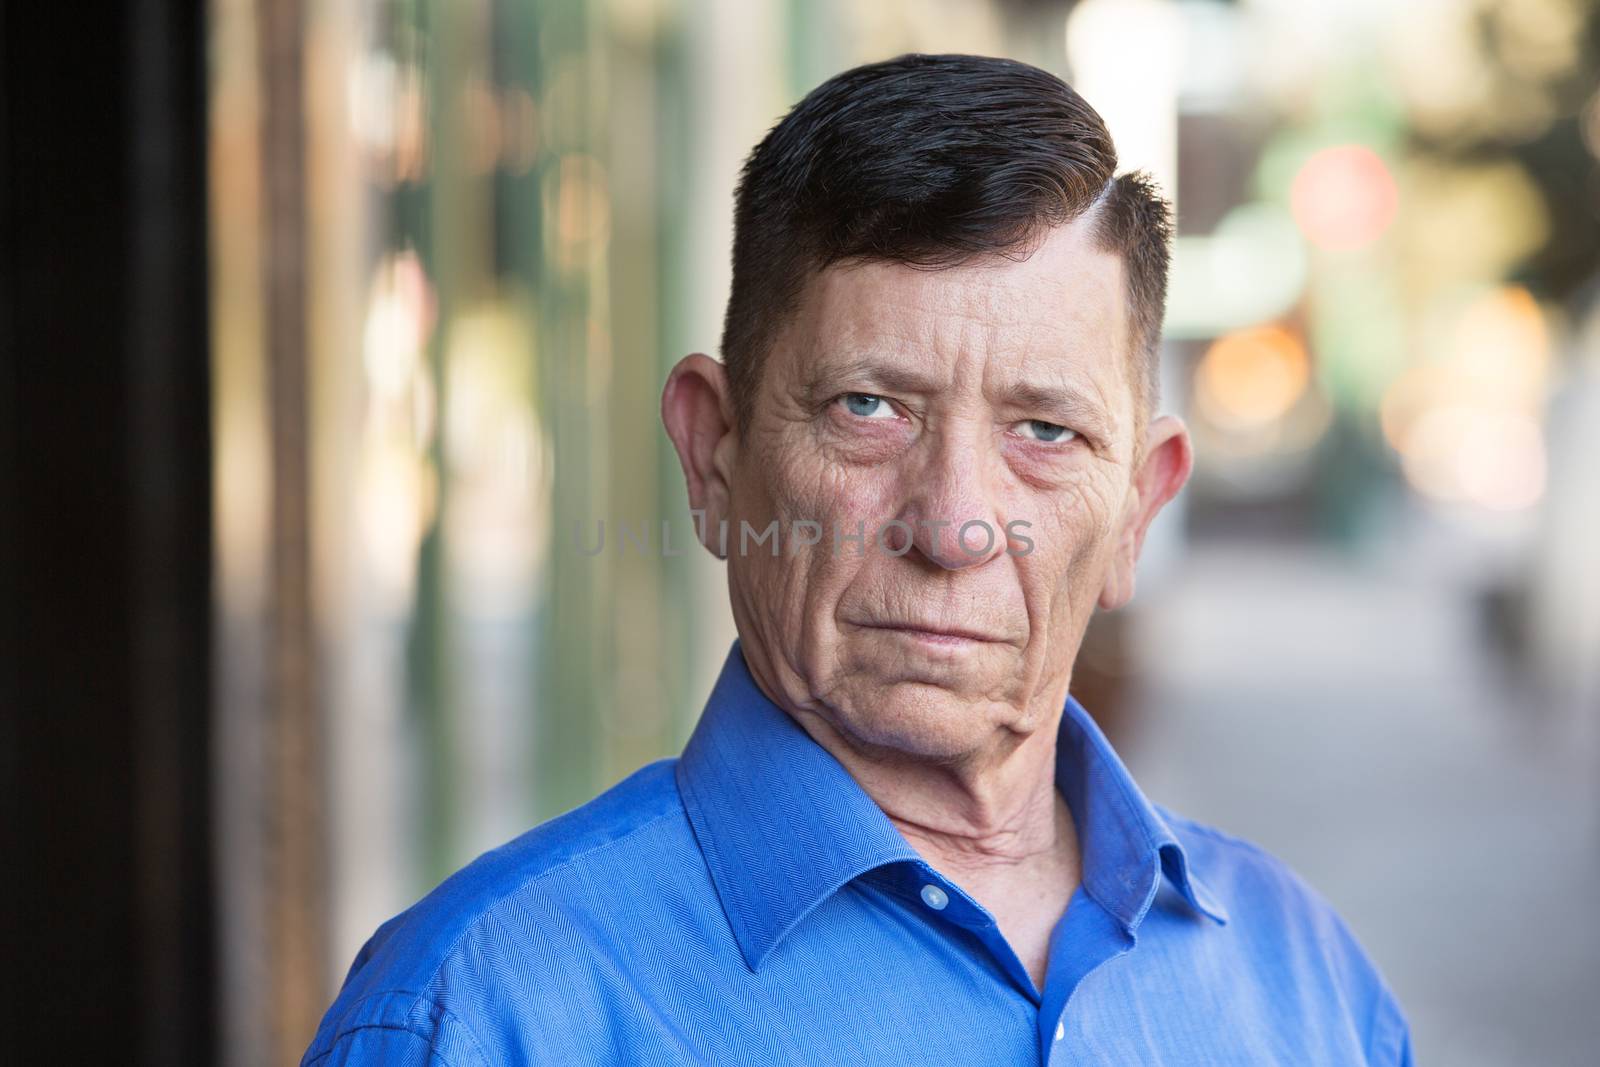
x=1227, y=862
x=410, y=992
x=1296, y=932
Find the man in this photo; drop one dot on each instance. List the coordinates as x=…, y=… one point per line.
x=893, y=837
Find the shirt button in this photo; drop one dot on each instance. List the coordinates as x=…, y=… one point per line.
x=1061, y=1029
x=934, y=897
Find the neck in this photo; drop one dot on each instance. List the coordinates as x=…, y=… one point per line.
x=993, y=822
x=977, y=817
x=1003, y=832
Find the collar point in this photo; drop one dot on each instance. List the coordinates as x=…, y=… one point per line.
x=1205, y=901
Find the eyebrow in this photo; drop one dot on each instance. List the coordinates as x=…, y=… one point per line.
x=1079, y=411
x=872, y=372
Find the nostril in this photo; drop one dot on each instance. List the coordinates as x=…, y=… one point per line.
x=930, y=537
x=951, y=544
x=897, y=537
x=975, y=539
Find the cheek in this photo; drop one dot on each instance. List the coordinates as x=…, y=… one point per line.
x=847, y=441
x=1073, y=537
x=844, y=496
x=1086, y=510
x=798, y=487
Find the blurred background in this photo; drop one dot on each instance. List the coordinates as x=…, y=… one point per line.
x=331, y=329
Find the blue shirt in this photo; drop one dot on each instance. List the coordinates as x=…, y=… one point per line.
x=748, y=903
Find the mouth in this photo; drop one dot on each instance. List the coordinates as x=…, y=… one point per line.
x=936, y=635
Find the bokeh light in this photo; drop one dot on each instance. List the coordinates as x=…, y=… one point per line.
x=1466, y=425
x=1253, y=377
x=1344, y=198
x=1494, y=459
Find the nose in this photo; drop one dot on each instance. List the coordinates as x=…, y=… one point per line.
x=951, y=508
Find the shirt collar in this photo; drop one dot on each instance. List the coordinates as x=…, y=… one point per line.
x=783, y=826
x=1126, y=846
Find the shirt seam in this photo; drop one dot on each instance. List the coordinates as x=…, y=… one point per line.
x=408, y=1030
x=1219, y=836
x=1275, y=864
x=483, y=913
x=520, y=887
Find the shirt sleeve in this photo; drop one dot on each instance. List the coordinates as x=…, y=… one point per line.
x=1391, y=1035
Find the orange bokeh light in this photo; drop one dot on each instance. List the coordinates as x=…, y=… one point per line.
x=1252, y=377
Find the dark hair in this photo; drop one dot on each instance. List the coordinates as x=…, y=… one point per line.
x=931, y=160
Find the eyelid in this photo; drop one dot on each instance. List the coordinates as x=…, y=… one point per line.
x=890, y=409
x=1069, y=434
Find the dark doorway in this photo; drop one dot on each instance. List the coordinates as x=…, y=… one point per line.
x=105, y=544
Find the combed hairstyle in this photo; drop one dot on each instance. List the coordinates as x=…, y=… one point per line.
x=931, y=161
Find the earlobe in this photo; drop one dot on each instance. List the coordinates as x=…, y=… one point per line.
x=697, y=414
x=1111, y=597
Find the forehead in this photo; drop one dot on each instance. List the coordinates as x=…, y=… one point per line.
x=1061, y=312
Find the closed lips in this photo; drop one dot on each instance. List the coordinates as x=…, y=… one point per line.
x=932, y=630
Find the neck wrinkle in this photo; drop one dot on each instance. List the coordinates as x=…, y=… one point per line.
x=1012, y=813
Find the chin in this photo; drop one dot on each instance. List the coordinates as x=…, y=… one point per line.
x=916, y=717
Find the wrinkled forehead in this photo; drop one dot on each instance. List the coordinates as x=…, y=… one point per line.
x=1058, y=315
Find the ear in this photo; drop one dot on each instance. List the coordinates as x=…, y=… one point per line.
x=698, y=413
x=1167, y=459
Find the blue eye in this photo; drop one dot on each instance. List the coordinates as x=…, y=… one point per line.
x=868, y=406
x=1048, y=431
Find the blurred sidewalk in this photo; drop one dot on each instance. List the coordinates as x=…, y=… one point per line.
x=1357, y=724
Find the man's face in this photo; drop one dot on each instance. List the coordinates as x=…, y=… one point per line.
x=997, y=396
